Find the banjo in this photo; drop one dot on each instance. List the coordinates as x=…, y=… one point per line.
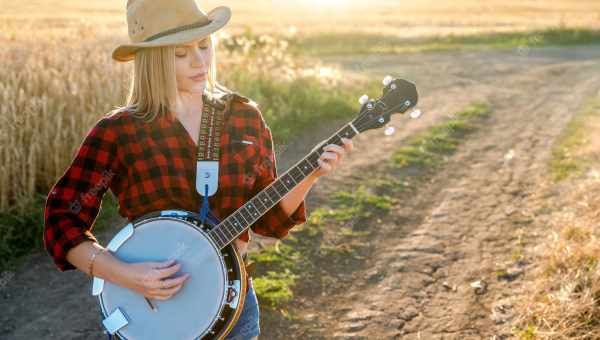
x=208, y=308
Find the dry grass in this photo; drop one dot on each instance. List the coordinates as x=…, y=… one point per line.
x=577, y=146
x=565, y=303
x=49, y=97
x=565, y=295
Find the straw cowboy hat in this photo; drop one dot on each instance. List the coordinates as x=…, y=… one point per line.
x=153, y=23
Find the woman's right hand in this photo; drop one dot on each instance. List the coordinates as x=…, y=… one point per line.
x=152, y=279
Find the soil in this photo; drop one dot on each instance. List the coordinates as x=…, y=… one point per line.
x=432, y=269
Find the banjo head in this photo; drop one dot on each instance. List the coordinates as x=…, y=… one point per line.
x=204, y=307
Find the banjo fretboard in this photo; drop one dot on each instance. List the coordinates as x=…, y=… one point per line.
x=236, y=223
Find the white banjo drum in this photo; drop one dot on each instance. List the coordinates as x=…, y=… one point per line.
x=206, y=307
x=211, y=300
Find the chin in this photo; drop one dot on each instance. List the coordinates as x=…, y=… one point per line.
x=197, y=87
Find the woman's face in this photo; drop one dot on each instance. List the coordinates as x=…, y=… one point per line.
x=192, y=61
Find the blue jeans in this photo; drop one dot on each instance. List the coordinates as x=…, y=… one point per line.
x=248, y=324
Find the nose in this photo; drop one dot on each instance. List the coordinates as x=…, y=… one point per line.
x=200, y=58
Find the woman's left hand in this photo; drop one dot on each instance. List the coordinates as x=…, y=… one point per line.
x=332, y=156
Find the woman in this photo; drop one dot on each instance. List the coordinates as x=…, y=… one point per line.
x=145, y=153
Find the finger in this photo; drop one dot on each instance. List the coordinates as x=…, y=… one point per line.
x=158, y=285
x=338, y=150
x=348, y=144
x=159, y=296
x=326, y=167
x=167, y=293
x=329, y=156
x=164, y=264
x=166, y=272
x=170, y=283
x=335, y=148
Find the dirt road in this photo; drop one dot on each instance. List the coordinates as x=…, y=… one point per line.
x=459, y=228
x=463, y=226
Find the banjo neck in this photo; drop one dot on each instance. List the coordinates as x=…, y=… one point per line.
x=398, y=96
x=240, y=220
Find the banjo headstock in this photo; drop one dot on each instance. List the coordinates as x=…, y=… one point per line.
x=398, y=96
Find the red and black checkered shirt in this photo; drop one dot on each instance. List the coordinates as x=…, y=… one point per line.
x=151, y=166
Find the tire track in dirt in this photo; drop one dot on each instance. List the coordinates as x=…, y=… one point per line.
x=463, y=223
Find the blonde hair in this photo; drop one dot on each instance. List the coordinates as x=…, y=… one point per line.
x=153, y=88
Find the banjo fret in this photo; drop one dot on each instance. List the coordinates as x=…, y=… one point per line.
x=227, y=233
x=296, y=174
x=288, y=181
x=221, y=238
x=272, y=194
x=258, y=201
x=245, y=214
x=280, y=188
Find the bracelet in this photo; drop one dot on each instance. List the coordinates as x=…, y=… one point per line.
x=93, y=258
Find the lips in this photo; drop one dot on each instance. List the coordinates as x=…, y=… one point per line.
x=199, y=76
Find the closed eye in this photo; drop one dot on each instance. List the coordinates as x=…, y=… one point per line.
x=203, y=45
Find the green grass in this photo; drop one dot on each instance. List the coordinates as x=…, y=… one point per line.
x=427, y=150
x=528, y=333
x=326, y=44
x=22, y=230
x=293, y=107
x=275, y=287
x=278, y=266
x=565, y=162
x=360, y=203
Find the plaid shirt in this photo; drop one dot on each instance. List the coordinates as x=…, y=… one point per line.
x=152, y=166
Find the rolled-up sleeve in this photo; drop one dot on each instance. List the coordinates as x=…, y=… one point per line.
x=74, y=201
x=275, y=222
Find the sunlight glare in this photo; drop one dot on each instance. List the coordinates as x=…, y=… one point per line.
x=327, y=3
x=326, y=72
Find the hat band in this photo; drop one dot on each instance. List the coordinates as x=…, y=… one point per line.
x=178, y=29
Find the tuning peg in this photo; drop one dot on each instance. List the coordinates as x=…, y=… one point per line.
x=363, y=99
x=415, y=113
x=389, y=130
x=387, y=80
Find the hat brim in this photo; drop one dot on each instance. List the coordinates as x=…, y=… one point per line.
x=219, y=17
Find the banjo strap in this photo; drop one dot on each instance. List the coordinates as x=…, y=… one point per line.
x=209, y=143
x=209, y=135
